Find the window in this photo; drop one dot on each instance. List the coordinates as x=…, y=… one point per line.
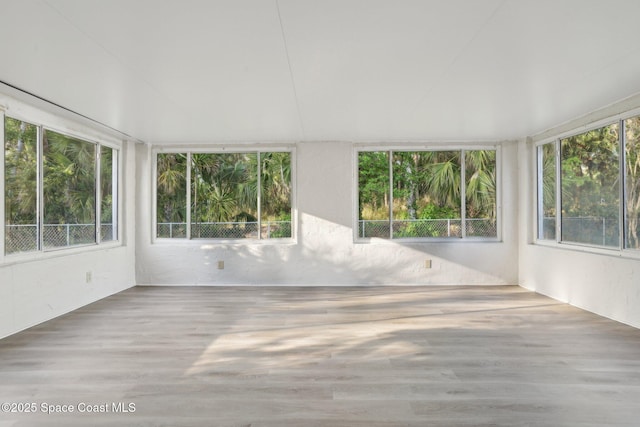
x=547, y=191
x=599, y=178
x=244, y=195
x=374, y=199
x=591, y=187
x=69, y=191
x=109, y=193
x=480, y=193
x=427, y=194
x=51, y=189
x=171, y=195
x=20, y=186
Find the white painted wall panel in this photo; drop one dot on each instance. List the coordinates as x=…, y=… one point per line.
x=32, y=292
x=38, y=291
x=325, y=252
x=608, y=285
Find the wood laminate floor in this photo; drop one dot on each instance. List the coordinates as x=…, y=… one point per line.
x=323, y=356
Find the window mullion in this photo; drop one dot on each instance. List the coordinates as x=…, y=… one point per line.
x=188, y=197
x=539, y=153
x=115, y=194
x=259, y=194
x=3, y=237
x=390, y=194
x=98, y=194
x=463, y=194
x=622, y=223
x=40, y=188
x=558, y=183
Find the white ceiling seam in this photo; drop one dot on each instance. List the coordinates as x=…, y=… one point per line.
x=464, y=48
x=332, y=70
x=136, y=72
x=293, y=80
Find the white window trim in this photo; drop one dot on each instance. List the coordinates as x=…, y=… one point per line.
x=558, y=243
x=242, y=147
x=427, y=146
x=2, y=190
x=21, y=110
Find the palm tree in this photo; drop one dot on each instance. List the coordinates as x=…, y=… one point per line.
x=20, y=172
x=108, y=218
x=221, y=186
x=69, y=185
x=480, y=189
x=428, y=184
x=171, y=183
x=20, y=179
x=275, y=193
x=442, y=178
x=275, y=181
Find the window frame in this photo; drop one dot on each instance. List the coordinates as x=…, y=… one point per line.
x=41, y=189
x=242, y=148
x=2, y=187
x=43, y=120
x=426, y=147
x=539, y=223
x=621, y=249
x=116, y=167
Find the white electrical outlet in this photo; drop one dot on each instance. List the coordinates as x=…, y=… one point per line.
x=88, y=277
x=220, y=265
x=427, y=263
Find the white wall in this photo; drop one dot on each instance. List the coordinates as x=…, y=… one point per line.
x=33, y=292
x=608, y=285
x=37, y=288
x=325, y=252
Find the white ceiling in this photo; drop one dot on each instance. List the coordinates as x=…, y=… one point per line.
x=289, y=70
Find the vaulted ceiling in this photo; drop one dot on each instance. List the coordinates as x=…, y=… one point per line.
x=292, y=70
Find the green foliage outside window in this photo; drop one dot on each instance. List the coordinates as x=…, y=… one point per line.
x=425, y=197
x=591, y=187
x=69, y=187
x=225, y=190
x=547, y=191
x=591, y=183
x=59, y=208
x=20, y=183
x=632, y=182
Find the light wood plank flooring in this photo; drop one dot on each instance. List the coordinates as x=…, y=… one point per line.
x=325, y=356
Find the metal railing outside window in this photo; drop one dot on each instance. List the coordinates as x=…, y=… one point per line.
x=225, y=230
x=24, y=237
x=445, y=227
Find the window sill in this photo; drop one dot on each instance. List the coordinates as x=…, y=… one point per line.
x=596, y=250
x=27, y=257
x=209, y=243
x=423, y=240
